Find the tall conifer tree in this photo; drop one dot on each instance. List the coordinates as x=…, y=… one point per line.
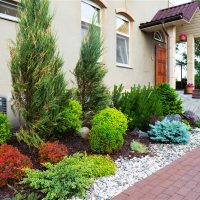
x=39, y=87
x=90, y=72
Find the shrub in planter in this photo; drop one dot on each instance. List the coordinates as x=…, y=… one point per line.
x=4, y=128
x=171, y=102
x=169, y=132
x=70, y=177
x=72, y=117
x=191, y=117
x=11, y=164
x=108, y=128
x=141, y=105
x=52, y=152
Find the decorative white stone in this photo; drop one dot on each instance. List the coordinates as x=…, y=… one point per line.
x=130, y=171
x=84, y=132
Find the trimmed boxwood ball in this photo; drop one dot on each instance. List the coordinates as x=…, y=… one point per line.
x=108, y=128
x=4, y=128
x=169, y=132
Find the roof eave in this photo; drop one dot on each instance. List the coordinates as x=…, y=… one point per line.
x=155, y=23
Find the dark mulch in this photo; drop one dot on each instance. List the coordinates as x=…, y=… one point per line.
x=74, y=144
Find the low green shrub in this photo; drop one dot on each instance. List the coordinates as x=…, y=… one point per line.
x=70, y=177
x=21, y=196
x=169, y=132
x=139, y=104
x=197, y=124
x=171, y=102
x=4, y=128
x=108, y=128
x=138, y=147
x=72, y=117
x=187, y=123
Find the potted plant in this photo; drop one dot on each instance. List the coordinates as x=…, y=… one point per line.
x=183, y=37
x=189, y=88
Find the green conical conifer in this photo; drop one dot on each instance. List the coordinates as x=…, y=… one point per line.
x=39, y=87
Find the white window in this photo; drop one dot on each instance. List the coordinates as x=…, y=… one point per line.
x=123, y=38
x=89, y=10
x=8, y=10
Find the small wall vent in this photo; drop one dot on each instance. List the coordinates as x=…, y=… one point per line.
x=3, y=105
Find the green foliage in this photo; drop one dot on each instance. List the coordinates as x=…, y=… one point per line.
x=108, y=128
x=187, y=123
x=171, y=102
x=139, y=104
x=197, y=124
x=169, y=132
x=89, y=74
x=138, y=147
x=70, y=177
x=72, y=116
x=20, y=196
x=4, y=128
x=39, y=87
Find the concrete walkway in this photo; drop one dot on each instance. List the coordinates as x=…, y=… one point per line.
x=178, y=181
x=189, y=103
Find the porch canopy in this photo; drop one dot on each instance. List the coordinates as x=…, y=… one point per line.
x=172, y=22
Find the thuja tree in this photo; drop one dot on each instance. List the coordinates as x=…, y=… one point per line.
x=89, y=73
x=39, y=88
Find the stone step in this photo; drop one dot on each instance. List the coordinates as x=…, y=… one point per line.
x=196, y=94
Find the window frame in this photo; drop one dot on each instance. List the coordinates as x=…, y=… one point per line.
x=8, y=17
x=90, y=3
x=124, y=35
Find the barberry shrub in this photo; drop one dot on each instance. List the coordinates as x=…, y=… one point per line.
x=170, y=100
x=12, y=163
x=4, y=128
x=108, y=128
x=52, y=152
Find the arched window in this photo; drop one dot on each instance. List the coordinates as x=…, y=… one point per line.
x=8, y=10
x=89, y=10
x=123, y=40
x=158, y=36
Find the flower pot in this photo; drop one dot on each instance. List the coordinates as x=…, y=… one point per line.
x=183, y=37
x=188, y=90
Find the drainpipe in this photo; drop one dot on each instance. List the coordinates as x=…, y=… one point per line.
x=168, y=48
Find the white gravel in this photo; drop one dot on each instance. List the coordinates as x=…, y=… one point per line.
x=130, y=171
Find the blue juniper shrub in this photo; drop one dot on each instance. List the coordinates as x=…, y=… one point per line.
x=169, y=132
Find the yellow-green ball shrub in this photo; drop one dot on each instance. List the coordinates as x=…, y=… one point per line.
x=108, y=128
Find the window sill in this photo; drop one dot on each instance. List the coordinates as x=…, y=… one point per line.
x=9, y=18
x=124, y=66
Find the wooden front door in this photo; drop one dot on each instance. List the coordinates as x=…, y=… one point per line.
x=161, y=65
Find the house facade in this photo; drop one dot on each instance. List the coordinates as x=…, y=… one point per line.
x=129, y=53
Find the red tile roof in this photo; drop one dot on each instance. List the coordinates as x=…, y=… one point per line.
x=183, y=11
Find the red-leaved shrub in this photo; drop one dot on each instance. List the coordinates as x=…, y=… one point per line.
x=11, y=164
x=52, y=152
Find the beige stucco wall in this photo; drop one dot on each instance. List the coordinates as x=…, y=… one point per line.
x=7, y=33
x=67, y=26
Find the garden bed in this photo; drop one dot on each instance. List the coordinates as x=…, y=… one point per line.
x=132, y=170
x=74, y=144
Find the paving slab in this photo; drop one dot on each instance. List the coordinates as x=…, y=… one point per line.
x=178, y=181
